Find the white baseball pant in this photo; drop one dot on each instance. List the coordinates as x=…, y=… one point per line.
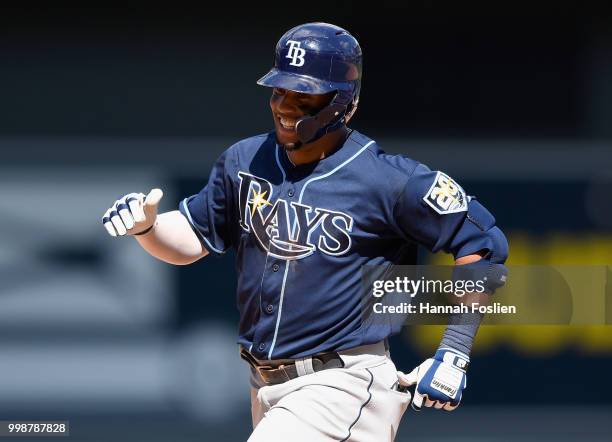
x=357, y=403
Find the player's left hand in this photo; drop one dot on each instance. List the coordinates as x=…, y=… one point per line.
x=439, y=381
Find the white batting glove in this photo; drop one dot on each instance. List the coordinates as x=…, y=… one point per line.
x=133, y=214
x=439, y=381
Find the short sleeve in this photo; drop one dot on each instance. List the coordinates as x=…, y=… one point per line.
x=431, y=210
x=208, y=212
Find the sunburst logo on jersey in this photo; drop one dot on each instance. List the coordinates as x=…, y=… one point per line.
x=258, y=200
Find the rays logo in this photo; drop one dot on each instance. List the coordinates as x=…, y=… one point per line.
x=281, y=238
x=295, y=53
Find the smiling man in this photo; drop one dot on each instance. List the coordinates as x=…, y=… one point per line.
x=289, y=107
x=304, y=208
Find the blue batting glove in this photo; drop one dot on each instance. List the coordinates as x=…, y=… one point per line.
x=439, y=381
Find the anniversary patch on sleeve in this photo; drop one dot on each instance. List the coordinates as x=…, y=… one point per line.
x=445, y=195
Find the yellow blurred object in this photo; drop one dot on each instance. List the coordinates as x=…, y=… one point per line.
x=541, y=340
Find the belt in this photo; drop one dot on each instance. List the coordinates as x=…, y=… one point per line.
x=278, y=371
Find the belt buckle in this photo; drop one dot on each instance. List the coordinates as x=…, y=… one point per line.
x=266, y=372
x=270, y=375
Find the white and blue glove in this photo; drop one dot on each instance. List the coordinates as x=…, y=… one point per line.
x=439, y=381
x=132, y=214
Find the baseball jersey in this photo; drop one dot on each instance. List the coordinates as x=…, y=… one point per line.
x=301, y=235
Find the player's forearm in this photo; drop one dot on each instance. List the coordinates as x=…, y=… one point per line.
x=462, y=327
x=172, y=240
x=461, y=331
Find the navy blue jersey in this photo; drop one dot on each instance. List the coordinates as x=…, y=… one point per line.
x=301, y=235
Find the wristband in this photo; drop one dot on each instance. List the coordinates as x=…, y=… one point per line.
x=145, y=231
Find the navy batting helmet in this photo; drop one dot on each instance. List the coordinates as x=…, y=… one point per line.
x=318, y=58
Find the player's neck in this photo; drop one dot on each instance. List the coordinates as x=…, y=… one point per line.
x=312, y=152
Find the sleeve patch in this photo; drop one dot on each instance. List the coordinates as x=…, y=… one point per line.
x=446, y=196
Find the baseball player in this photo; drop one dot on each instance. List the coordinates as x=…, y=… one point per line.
x=304, y=207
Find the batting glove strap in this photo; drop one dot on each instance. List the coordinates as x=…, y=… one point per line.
x=453, y=357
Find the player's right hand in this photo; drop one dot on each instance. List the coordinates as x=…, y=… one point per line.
x=132, y=214
x=439, y=381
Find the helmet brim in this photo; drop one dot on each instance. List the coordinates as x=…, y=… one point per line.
x=296, y=82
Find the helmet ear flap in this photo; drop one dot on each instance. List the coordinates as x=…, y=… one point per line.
x=310, y=128
x=330, y=118
x=352, y=108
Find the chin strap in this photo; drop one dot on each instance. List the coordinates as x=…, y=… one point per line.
x=308, y=127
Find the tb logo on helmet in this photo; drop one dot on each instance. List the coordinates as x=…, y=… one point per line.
x=295, y=53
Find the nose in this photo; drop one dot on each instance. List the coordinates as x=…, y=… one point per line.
x=286, y=105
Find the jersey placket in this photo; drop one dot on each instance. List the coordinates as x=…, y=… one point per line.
x=273, y=286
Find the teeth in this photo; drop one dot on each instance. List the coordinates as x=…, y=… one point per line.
x=288, y=124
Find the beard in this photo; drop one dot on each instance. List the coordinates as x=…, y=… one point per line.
x=292, y=147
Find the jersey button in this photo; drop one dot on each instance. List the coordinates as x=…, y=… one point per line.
x=275, y=268
x=262, y=347
x=270, y=308
x=291, y=192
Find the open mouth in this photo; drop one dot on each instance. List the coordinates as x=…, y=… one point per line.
x=287, y=123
